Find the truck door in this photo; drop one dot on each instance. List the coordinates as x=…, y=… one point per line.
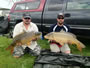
x=52, y=8
x=79, y=15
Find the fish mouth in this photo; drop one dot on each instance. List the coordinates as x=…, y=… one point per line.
x=45, y=36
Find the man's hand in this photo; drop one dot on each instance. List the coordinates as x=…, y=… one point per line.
x=69, y=42
x=34, y=39
x=52, y=40
x=19, y=44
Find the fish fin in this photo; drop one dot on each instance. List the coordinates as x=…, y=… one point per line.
x=81, y=44
x=11, y=48
x=62, y=31
x=61, y=43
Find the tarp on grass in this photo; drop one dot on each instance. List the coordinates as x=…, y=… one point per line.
x=49, y=59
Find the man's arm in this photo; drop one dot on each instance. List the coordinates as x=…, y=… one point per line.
x=16, y=31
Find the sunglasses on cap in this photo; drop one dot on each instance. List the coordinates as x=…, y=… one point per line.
x=26, y=18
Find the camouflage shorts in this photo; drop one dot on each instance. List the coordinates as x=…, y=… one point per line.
x=19, y=51
x=36, y=51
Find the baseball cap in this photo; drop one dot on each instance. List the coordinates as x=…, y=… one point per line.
x=60, y=16
x=27, y=16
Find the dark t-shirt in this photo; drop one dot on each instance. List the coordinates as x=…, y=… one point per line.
x=56, y=28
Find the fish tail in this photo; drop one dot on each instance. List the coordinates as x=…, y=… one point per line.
x=79, y=47
x=11, y=48
x=82, y=45
x=79, y=44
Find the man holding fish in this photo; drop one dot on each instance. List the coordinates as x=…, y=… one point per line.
x=26, y=26
x=59, y=26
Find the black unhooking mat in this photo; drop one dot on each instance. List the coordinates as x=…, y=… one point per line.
x=49, y=59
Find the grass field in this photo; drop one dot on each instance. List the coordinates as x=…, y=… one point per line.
x=27, y=61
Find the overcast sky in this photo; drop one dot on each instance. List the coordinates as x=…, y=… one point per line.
x=6, y=4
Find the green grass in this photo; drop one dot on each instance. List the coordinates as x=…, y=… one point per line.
x=27, y=61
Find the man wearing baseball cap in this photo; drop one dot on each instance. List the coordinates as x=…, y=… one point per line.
x=28, y=26
x=57, y=27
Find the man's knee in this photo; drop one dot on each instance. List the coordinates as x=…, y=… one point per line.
x=68, y=52
x=18, y=52
x=36, y=51
x=54, y=48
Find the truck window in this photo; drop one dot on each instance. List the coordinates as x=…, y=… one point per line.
x=20, y=7
x=28, y=5
x=78, y=4
x=55, y=5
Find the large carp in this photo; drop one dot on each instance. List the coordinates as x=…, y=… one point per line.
x=24, y=38
x=65, y=37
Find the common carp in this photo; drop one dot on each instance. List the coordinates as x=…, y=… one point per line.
x=24, y=38
x=65, y=37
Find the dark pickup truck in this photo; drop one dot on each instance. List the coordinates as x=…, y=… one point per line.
x=44, y=14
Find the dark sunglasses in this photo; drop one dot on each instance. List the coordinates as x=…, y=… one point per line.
x=26, y=18
x=61, y=18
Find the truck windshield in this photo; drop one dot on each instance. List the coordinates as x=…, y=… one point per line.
x=78, y=4
x=28, y=5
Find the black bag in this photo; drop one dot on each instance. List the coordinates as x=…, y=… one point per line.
x=3, y=25
x=49, y=59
